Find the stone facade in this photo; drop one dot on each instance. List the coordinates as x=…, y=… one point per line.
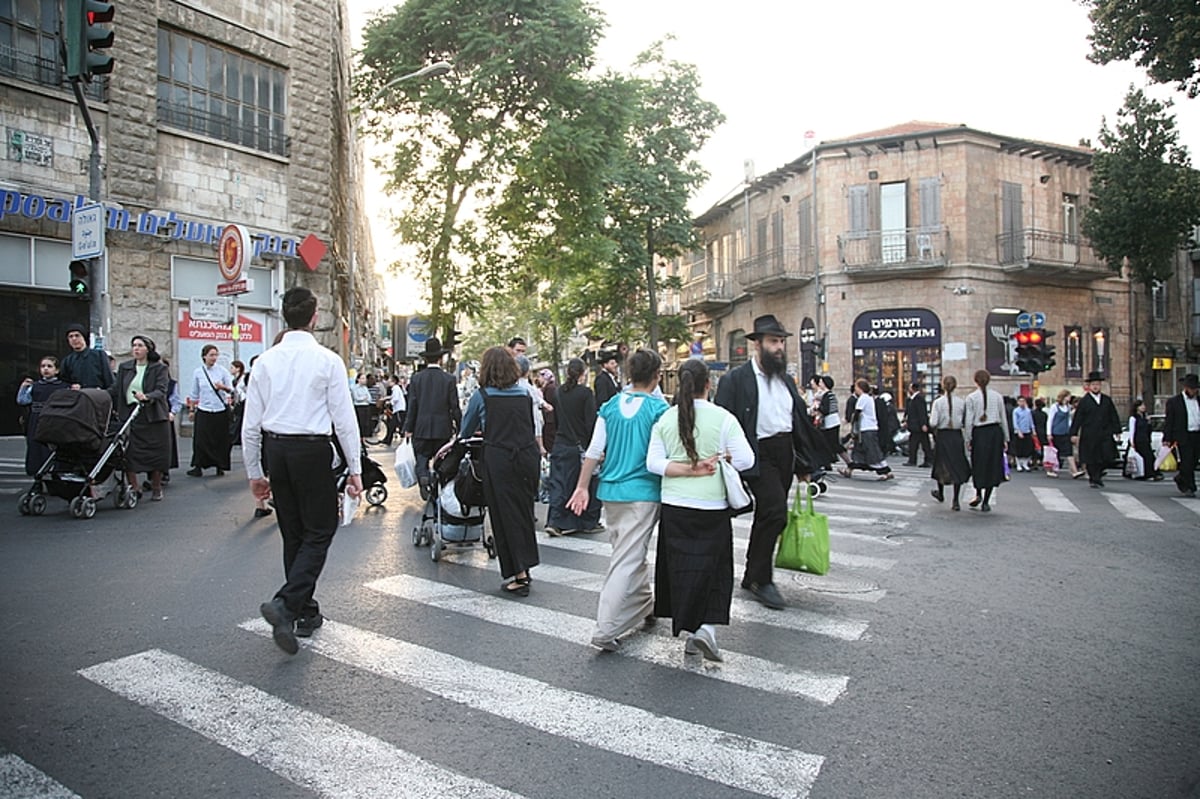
x=959, y=228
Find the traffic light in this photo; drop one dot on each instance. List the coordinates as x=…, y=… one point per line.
x=451, y=339
x=1047, y=354
x=1029, y=351
x=79, y=280
x=84, y=38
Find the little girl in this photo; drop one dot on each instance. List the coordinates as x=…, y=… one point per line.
x=35, y=395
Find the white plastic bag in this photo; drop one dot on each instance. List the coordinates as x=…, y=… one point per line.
x=1135, y=465
x=406, y=465
x=349, y=508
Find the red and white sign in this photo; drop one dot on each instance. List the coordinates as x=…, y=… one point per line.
x=203, y=330
x=233, y=252
x=236, y=287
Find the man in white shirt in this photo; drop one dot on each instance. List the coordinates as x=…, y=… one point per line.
x=399, y=404
x=1182, y=431
x=298, y=395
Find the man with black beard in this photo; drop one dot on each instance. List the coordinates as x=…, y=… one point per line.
x=785, y=443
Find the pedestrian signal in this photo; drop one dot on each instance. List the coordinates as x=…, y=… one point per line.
x=78, y=283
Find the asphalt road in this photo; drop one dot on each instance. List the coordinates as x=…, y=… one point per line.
x=1048, y=649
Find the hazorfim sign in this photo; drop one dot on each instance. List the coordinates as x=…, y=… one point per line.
x=897, y=329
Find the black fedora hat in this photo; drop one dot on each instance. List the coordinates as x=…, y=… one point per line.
x=767, y=325
x=433, y=349
x=1190, y=381
x=1094, y=377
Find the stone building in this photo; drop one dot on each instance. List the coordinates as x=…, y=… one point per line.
x=216, y=113
x=912, y=252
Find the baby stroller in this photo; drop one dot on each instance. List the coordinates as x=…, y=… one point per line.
x=86, y=462
x=454, y=513
x=373, y=479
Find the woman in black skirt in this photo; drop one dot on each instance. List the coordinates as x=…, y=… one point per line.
x=950, y=466
x=144, y=380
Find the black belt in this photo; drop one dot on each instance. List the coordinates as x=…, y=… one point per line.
x=296, y=437
x=777, y=435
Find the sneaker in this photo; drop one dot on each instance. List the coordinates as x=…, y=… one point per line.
x=156, y=496
x=599, y=528
x=305, y=626
x=607, y=644
x=553, y=531
x=689, y=646
x=706, y=642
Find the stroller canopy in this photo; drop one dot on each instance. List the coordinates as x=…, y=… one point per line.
x=75, y=418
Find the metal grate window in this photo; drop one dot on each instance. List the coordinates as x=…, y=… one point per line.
x=215, y=91
x=30, y=45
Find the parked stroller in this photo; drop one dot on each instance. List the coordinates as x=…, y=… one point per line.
x=86, y=462
x=454, y=513
x=373, y=479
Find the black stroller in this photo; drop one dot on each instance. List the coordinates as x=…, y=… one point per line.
x=454, y=513
x=373, y=479
x=86, y=462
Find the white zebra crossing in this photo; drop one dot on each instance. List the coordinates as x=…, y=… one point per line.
x=658, y=648
x=19, y=780
x=1191, y=504
x=290, y=741
x=1130, y=507
x=1053, y=499
x=720, y=756
x=741, y=609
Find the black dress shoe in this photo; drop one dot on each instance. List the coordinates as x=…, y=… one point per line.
x=938, y=495
x=283, y=630
x=195, y=471
x=306, y=625
x=220, y=472
x=767, y=595
x=975, y=502
x=986, y=508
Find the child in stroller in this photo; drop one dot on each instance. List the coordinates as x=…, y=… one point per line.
x=455, y=511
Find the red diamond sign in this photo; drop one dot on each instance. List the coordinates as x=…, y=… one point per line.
x=312, y=250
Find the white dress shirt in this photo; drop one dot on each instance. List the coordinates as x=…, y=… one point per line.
x=774, y=403
x=1193, y=410
x=299, y=388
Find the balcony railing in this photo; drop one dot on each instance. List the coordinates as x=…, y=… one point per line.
x=707, y=292
x=34, y=68
x=225, y=128
x=1049, y=252
x=899, y=249
x=776, y=268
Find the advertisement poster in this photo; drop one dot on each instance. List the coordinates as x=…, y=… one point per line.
x=193, y=334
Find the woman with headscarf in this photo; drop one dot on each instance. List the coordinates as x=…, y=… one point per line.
x=575, y=410
x=143, y=380
x=212, y=391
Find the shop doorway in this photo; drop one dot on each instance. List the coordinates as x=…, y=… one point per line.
x=895, y=348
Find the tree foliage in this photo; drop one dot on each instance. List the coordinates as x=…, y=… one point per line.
x=1145, y=200
x=1163, y=36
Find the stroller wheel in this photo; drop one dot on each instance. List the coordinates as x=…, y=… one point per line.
x=490, y=545
x=118, y=497
x=813, y=489
x=76, y=507
x=37, y=505
x=131, y=500
x=822, y=487
x=23, y=503
x=416, y=536
x=89, y=508
x=435, y=551
x=377, y=494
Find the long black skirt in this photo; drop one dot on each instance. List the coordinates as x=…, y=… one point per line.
x=987, y=456
x=693, y=574
x=363, y=414
x=950, y=465
x=510, y=481
x=564, y=474
x=210, y=440
x=149, y=446
x=1021, y=447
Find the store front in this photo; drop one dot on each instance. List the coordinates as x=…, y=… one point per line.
x=894, y=348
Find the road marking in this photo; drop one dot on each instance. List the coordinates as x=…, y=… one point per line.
x=741, y=609
x=659, y=647
x=733, y=760
x=868, y=495
x=590, y=545
x=22, y=781
x=744, y=523
x=1053, y=499
x=310, y=750
x=1190, y=504
x=1130, y=507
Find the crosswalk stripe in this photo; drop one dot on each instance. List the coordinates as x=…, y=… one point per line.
x=1190, y=504
x=658, y=648
x=597, y=546
x=726, y=758
x=744, y=523
x=1053, y=499
x=826, y=506
x=741, y=609
x=1130, y=507
x=868, y=496
x=22, y=781
x=294, y=743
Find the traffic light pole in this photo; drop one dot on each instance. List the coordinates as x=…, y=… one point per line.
x=96, y=271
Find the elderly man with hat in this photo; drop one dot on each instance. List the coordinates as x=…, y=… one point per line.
x=434, y=414
x=1182, y=431
x=1095, y=429
x=607, y=384
x=763, y=398
x=83, y=367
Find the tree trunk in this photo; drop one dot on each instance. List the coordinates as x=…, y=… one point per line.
x=1148, y=361
x=650, y=281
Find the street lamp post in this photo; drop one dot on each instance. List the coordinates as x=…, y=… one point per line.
x=435, y=69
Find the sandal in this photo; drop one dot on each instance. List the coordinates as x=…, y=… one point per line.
x=843, y=471
x=515, y=586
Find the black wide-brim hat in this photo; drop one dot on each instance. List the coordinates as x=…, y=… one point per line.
x=433, y=349
x=1190, y=381
x=767, y=325
x=1094, y=377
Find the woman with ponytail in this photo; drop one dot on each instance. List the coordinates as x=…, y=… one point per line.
x=694, y=572
x=575, y=412
x=950, y=465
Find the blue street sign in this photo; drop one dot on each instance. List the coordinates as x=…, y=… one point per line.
x=1023, y=321
x=1038, y=318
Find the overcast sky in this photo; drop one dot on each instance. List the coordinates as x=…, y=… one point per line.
x=779, y=69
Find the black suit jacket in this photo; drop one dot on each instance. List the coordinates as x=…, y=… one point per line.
x=738, y=393
x=1175, y=428
x=433, y=410
x=1096, y=423
x=916, y=415
x=605, y=387
x=156, y=385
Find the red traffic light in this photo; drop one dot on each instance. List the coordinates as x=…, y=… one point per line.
x=1035, y=337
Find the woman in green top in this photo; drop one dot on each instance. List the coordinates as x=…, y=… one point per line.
x=694, y=571
x=144, y=380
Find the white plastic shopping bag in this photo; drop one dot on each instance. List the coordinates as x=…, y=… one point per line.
x=406, y=465
x=349, y=508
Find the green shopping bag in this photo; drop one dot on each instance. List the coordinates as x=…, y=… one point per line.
x=804, y=544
